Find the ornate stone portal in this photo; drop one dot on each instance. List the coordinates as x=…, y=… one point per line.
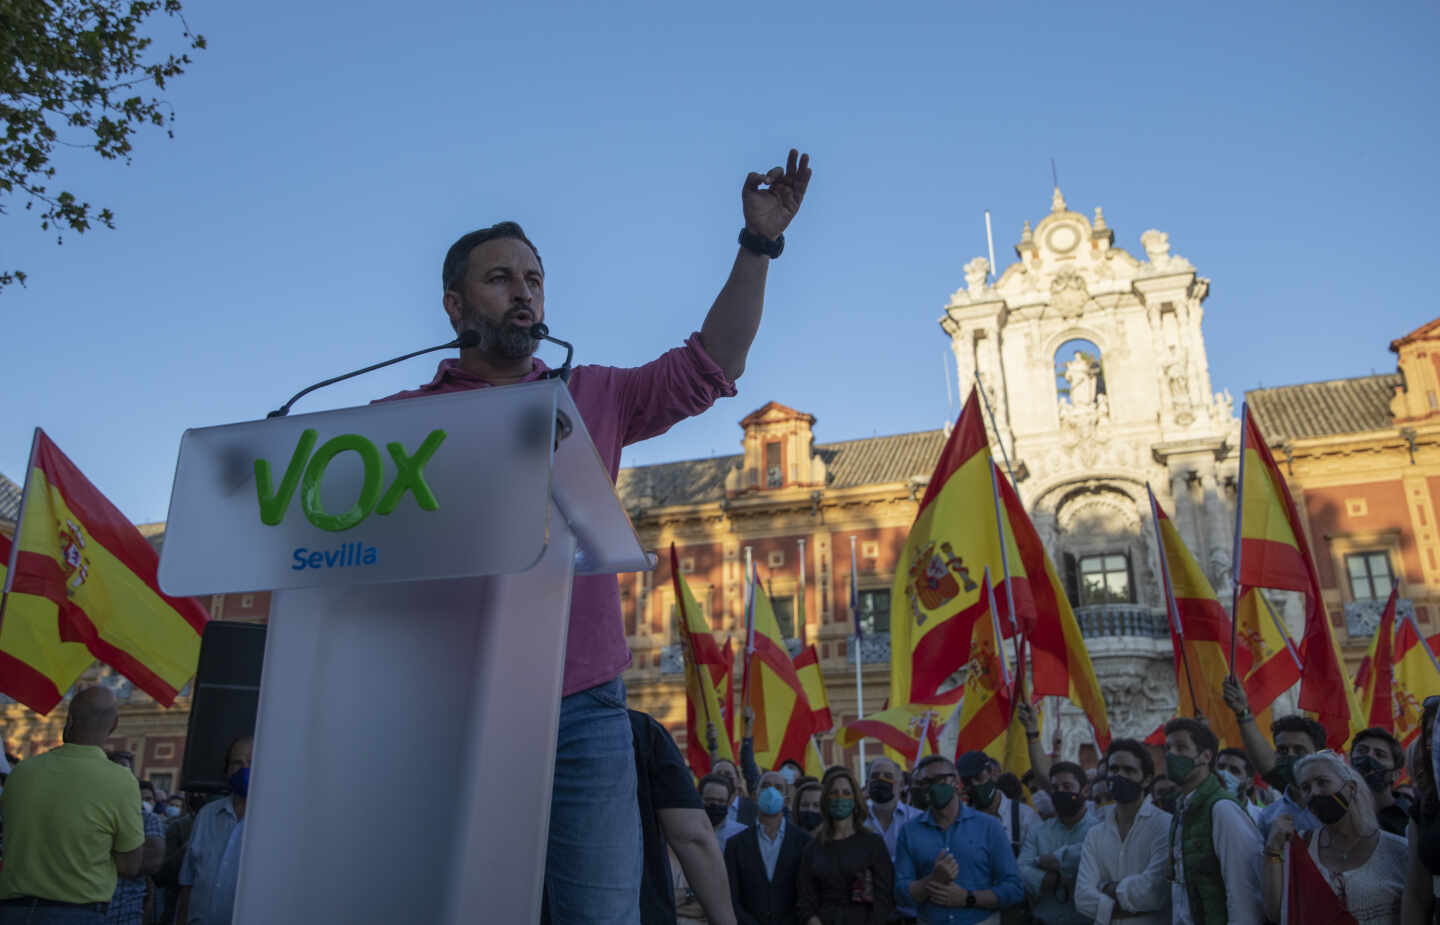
x=1095, y=365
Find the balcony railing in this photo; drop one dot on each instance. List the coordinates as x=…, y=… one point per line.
x=1362, y=618
x=1098, y=620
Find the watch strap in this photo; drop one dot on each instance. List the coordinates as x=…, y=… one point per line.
x=765, y=247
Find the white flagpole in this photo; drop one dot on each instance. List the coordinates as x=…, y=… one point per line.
x=855, y=641
x=924, y=731
x=1235, y=553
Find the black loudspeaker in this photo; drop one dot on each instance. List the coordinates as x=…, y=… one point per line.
x=226, y=699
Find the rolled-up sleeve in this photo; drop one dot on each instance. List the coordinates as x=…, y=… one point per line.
x=1032, y=876
x=680, y=383
x=1007, y=887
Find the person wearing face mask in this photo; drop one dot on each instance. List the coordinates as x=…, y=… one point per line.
x=1164, y=792
x=1362, y=863
x=1213, y=848
x=72, y=823
x=1122, y=862
x=1377, y=755
x=127, y=905
x=1237, y=775
x=807, y=806
x=763, y=861
x=887, y=814
x=979, y=775
x=1295, y=737
x=954, y=862
x=1050, y=856
x=178, y=822
x=716, y=794
x=211, y=866
x=845, y=876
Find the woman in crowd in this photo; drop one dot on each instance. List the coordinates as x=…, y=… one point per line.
x=846, y=877
x=806, y=811
x=1422, y=882
x=1363, y=864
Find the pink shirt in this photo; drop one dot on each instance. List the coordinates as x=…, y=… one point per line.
x=619, y=407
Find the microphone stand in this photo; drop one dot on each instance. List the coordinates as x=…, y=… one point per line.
x=540, y=331
x=466, y=339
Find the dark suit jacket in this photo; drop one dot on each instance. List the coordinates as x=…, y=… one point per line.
x=760, y=900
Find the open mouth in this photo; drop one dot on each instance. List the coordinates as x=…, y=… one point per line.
x=523, y=317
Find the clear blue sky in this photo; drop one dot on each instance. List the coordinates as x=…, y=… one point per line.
x=326, y=155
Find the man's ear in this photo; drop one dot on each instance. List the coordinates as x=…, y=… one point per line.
x=453, y=305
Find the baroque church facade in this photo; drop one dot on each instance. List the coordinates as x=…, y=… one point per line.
x=1094, y=363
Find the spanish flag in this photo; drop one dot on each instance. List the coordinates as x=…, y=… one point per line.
x=807, y=669
x=1199, y=630
x=78, y=553
x=904, y=730
x=988, y=703
x=936, y=597
x=37, y=665
x=1266, y=658
x=1060, y=662
x=1274, y=554
x=704, y=667
x=1417, y=675
x=1377, y=691
x=783, y=720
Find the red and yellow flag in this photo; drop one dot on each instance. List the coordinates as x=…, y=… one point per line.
x=807, y=669
x=37, y=665
x=704, y=666
x=1275, y=554
x=1416, y=676
x=899, y=729
x=1060, y=661
x=1264, y=655
x=783, y=719
x=988, y=704
x=1377, y=693
x=76, y=551
x=936, y=599
x=1199, y=630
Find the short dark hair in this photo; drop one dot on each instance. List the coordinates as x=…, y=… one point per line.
x=1141, y=753
x=1202, y=735
x=933, y=759
x=1071, y=768
x=1397, y=751
x=147, y=785
x=1240, y=753
x=457, y=259
x=1009, y=785
x=1297, y=723
x=720, y=779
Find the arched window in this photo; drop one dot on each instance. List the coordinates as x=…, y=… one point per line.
x=1079, y=375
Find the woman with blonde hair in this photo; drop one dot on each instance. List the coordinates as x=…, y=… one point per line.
x=1362, y=863
x=1422, y=891
x=845, y=877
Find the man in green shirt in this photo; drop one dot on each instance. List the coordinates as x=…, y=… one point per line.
x=72, y=823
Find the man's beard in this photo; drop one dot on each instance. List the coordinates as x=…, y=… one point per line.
x=506, y=339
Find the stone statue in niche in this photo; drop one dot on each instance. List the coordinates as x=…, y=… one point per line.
x=1220, y=574
x=1178, y=381
x=1080, y=372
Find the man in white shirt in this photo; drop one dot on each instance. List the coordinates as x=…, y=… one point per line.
x=716, y=792
x=1215, y=848
x=1123, y=861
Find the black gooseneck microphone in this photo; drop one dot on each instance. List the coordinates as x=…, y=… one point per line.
x=540, y=331
x=466, y=339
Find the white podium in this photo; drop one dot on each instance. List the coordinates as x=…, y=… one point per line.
x=421, y=553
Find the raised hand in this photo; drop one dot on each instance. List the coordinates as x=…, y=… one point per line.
x=1234, y=695
x=769, y=211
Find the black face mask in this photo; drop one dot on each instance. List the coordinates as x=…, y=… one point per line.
x=1067, y=804
x=717, y=814
x=1124, y=790
x=808, y=819
x=1282, y=776
x=1377, y=778
x=881, y=791
x=1329, y=808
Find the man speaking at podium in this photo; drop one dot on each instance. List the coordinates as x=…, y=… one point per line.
x=494, y=285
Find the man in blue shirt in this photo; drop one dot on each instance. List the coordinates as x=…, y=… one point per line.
x=953, y=863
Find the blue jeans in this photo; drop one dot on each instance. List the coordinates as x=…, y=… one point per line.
x=593, y=863
x=49, y=915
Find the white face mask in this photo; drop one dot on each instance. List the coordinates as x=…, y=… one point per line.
x=172, y=811
x=147, y=805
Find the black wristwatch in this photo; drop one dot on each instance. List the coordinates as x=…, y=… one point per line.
x=970, y=899
x=765, y=247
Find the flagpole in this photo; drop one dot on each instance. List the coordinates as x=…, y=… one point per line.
x=1284, y=633
x=9, y=581
x=855, y=616
x=800, y=628
x=818, y=755
x=924, y=731
x=1000, y=523
x=749, y=637
x=1235, y=555
x=1173, y=610
x=688, y=649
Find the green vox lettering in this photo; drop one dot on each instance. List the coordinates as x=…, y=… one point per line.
x=307, y=472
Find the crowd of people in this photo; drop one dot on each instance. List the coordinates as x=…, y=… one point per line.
x=1188, y=833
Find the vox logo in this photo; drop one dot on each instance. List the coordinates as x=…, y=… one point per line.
x=307, y=472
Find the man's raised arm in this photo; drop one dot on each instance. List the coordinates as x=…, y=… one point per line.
x=730, y=326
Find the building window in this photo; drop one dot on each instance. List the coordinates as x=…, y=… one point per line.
x=776, y=558
x=875, y=611
x=162, y=780
x=247, y=601
x=164, y=750
x=1105, y=579
x=1356, y=507
x=687, y=565
x=870, y=550
x=784, y=608
x=774, y=474
x=1370, y=575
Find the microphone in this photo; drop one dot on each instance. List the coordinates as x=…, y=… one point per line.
x=540, y=331
x=466, y=339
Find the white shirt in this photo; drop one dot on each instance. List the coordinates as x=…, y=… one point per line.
x=770, y=847
x=1028, y=818
x=1135, y=864
x=1238, y=845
